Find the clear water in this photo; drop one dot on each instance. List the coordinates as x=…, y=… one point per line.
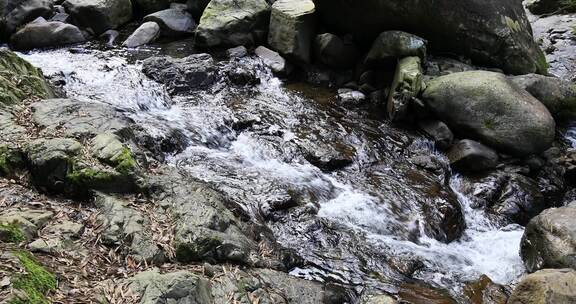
x=376, y=213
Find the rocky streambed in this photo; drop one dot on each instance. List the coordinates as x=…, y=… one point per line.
x=180, y=172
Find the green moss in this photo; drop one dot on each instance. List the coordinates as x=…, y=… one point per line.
x=542, y=64
x=569, y=5
x=35, y=283
x=88, y=176
x=125, y=163
x=19, y=79
x=9, y=161
x=11, y=233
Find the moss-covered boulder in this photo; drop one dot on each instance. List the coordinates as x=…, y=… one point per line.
x=488, y=107
x=20, y=80
x=407, y=84
x=63, y=165
x=232, y=23
x=493, y=33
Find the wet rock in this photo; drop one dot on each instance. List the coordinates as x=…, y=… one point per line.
x=146, y=33
x=51, y=160
x=351, y=98
x=489, y=107
x=549, y=286
x=484, y=291
x=540, y=7
x=419, y=294
x=393, y=45
x=514, y=197
x=558, y=95
x=195, y=72
x=99, y=15
x=26, y=12
x=46, y=34
x=273, y=60
x=20, y=80
x=406, y=86
x=438, y=131
x=237, y=52
x=174, y=22
x=292, y=28
x=471, y=156
x=230, y=23
x=550, y=240
x=491, y=32
x=334, y=51
x=78, y=119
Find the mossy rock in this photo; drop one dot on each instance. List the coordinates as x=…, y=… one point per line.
x=109, y=149
x=34, y=283
x=10, y=161
x=20, y=80
x=11, y=233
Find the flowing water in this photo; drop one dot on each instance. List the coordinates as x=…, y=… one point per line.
x=367, y=224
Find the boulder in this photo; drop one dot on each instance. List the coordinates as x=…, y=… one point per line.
x=484, y=291
x=195, y=72
x=558, y=95
x=470, y=156
x=406, y=86
x=393, y=45
x=549, y=240
x=174, y=287
x=78, y=119
x=335, y=52
x=273, y=60
x=46, y=34
x=26, y=12
x=51, y=160
x=232, y=23
x=541, y=7
x=99, y=15
x=174, y=22
x=292, y=28
x=494, y=33
x=146, y=33
x=548, y=286
x=237, y=52
x=489, y=107
x=438, y=131
x=20, y=80
x=511, y=196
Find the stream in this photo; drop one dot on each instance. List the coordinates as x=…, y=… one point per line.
x=336, y=185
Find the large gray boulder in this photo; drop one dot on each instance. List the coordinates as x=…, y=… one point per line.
x=233, y=23
x=99, y=15
x=26, y=12
x=489, y=107
x=550, y=240
x=292, y=28
x=146, y=33
x=174, y=22
x=492, y=32
x=41, y=34
x=470, y=156
x=549, y=286
x=558, y=95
